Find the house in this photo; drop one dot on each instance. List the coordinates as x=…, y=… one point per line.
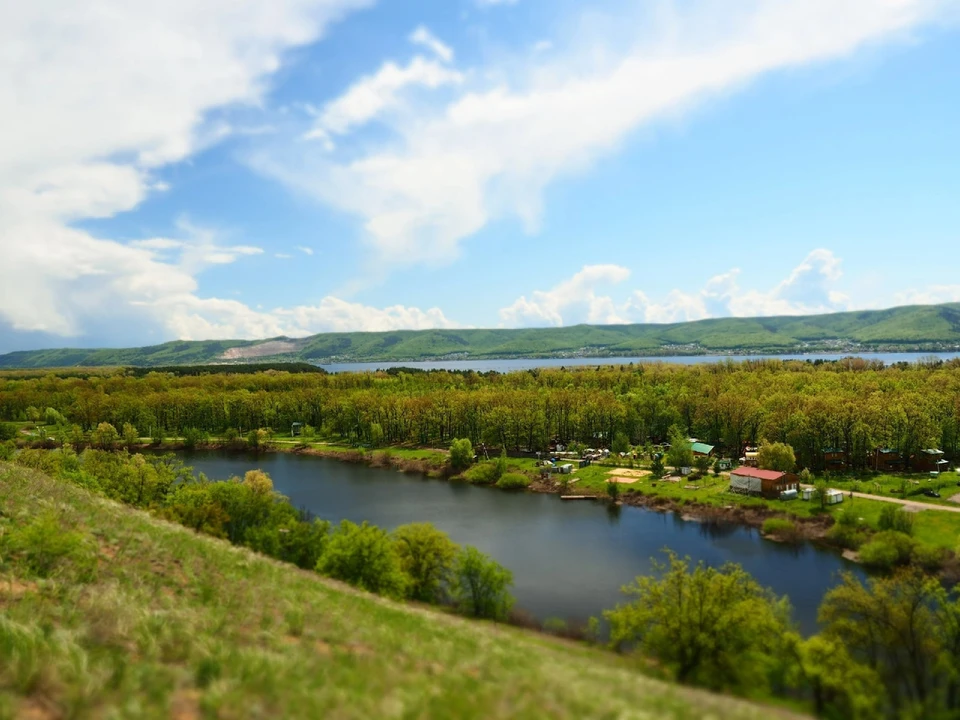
x=887, y=460
x=768, y=483
x=834, y=459
x=749, y=458
x=929, y=460
x=724, y=464
x=701, y=449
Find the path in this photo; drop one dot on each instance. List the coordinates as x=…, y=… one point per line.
x=915, y=505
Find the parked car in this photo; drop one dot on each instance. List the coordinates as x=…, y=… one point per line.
x=931, y=493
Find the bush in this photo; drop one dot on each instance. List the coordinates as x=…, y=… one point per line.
x=780, y=527
x=846, y=536
x=45, y=547
x=426, y=556
x=929, y=558
x=364, y=556
x=897, y=519
x=482, y=474
x=513, y=481
x=887, y=549
x=480, y=585
x=7, y=431
x=461, y=454
x=7, y=450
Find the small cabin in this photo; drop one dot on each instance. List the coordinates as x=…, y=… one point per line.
x=701, y=449
x=930, y=460
x=296, y=430
x=724, y=464
x=768, y=483
x=887, y=460
x=834, y=459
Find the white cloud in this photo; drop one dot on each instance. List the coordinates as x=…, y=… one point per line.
x=547, y=307
x=423, y=37
x=305, y=250
x=375, y=94
x=95, y=100
x=488, y=154
x=930, y=295
x=283, y=256
x=808, y=289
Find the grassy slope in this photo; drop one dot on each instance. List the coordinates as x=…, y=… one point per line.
x=904, y=326
x=174, y=624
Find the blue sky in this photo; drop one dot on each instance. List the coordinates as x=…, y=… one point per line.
x=297, y=166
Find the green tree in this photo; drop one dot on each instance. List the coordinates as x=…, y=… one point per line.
x=776, y=456
x=426, y=556
x=376, y=435
x=906, y=628
x=712, y=627
x=461, y=454
x=680, y=453
x=501, y=464
x=841, y=687
x=657, y=468
x=613, y=490
x=131, y=438
x=481, y=585
x=364, y=556
x=105, y=436
x=620, y=444
x=820, y=492
x=702, y=464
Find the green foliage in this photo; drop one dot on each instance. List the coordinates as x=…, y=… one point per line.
x=131, y=437
x=840, y=686
x=906, y=630
x=820, y=491
x=192, y=437
x=364, y=556
x=620, y=444
x=680, y=453
x=8, y=431
x=105, y=437
x=776, y=456
x=613, y=490
x=896, y=518
x=7, y=450
x=426, y=557
x=376, y=435
x=501, y=464
x=47, y=546
x=513, y=481
x=711, y=627
x=481, y=586
x=887, y=549
x=461, y=454
x=781, y=528
x=702, y=463
x=656, y=468
x=484, y=473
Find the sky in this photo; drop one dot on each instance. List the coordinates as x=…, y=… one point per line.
x=256, y=168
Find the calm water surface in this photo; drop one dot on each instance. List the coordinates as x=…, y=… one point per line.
x=569, y=559
x=528, y=363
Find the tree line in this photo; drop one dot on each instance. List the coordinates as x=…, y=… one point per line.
x=855, y=406
x=415, y=562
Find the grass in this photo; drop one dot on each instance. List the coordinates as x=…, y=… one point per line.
x=132, y=616
x=905, y=328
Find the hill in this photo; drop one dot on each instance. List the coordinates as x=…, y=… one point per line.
x=917, y=327
x=107, y=611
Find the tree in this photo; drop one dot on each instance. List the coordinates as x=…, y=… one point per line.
x=657, y=468
x=712, y=627
x=501, y=464
x=426, y=556
x=702, y=464
x=105, y=436
x=613, y=490
x=364, y=556
x=131, y=437
x=620, y=444
x=480, y=585
x=461, y=454
x=907, y=629
x=776, y=456
x=680, y=453
x=820, y=491
x=376, y=435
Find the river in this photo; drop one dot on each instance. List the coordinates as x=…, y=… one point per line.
x=569, y=559
x=512, y=364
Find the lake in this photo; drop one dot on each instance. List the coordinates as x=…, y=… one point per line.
x=513, y=364
x=569, y=559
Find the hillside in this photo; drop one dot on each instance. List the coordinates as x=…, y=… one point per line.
x=918, y=327
x=107, y=611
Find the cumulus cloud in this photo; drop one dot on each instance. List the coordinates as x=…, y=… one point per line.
x=808, y=289
x=423, y=37
x=98, y=100
x=453, y=166
x=931, y=295
x=577, y=294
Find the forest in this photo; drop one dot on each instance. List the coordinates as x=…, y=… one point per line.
x=854, y=405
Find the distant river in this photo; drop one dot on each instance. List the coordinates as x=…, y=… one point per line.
x=510, y=365
x=569, y=558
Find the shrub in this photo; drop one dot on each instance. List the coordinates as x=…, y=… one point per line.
x=7, y=450
x=513, y=481
x=846, y=536
x=46, y=546
x=364, y=556
x=929, y=558
x=7, y=431
x=482, y=474
x=426, y=556
x=461, y=454
x=887, y=549
x=780, y=527
x=895, y=518
x=480, y=585
x=613, y=490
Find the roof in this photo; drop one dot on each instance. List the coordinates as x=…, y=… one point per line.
x=832, y=450
x=699, y=447
x=886, y=451
x=930, y=451
x=758, y=473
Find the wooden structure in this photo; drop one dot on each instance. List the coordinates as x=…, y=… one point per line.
x=929, y=460
x=834, y=459
x=887, y=460
x=768, y=483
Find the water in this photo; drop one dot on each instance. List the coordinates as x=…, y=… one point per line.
x=569, y=559
x=509, y=365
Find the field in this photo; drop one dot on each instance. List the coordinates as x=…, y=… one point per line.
x=929, y=327
x=109, y=612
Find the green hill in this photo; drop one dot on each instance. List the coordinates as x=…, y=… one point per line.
x=918, y=327
x=108, y=612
